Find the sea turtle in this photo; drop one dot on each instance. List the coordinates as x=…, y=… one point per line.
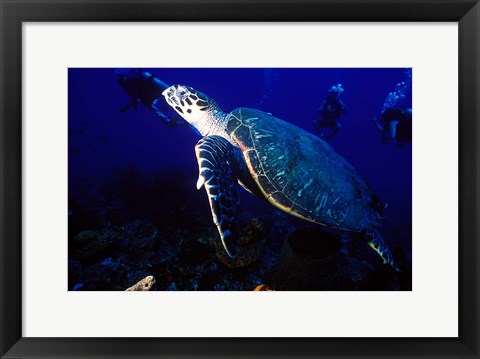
x=289, y=167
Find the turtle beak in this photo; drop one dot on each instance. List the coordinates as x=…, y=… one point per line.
x=171, y=96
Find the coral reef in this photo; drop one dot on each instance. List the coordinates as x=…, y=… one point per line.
x=145, y=284
x=85, y=237
x=94, y=245
x=262, y=288
x=159, y=228
x=249, y=248
x=318, y=259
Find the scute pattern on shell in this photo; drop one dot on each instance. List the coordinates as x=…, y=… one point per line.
x=301, y=173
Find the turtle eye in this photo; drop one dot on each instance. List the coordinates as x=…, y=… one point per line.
x=201, y=96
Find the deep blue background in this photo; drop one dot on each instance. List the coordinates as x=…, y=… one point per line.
x=102, y=139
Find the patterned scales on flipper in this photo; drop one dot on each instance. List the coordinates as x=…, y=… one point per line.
x=216, y=164
x=301, y=174
x=376, y=242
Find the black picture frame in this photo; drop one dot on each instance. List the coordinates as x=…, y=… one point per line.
x=14, y=12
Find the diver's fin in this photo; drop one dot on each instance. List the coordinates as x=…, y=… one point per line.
x=214, y=156
x=131, y=104
x=377, y=124
x=376, y=242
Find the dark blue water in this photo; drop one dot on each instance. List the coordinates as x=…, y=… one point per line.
x=104, y=142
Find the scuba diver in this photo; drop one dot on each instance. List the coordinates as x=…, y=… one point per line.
x=395, y=124
x=330, y=111
x=144, y=88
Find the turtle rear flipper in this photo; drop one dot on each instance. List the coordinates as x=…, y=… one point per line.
x=215, y=155
x=376, y=242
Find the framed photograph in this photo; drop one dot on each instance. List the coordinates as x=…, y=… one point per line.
x=200, y=152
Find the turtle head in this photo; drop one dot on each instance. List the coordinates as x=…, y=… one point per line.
x=195, y=107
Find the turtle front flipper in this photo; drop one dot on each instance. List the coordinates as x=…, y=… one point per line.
x=215, y=156
x=376, y=242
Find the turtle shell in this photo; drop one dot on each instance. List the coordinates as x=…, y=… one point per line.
x=301, y=174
